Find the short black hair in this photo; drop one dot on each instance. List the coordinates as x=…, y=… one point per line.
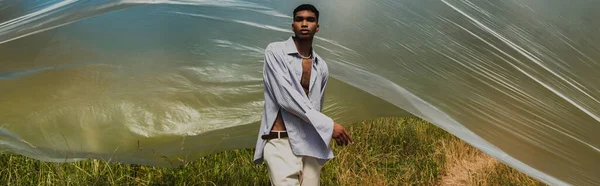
x=308, y=7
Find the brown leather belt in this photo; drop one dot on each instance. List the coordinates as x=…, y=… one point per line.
x=273, y=135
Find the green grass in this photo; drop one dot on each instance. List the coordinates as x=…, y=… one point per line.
x=387, y=151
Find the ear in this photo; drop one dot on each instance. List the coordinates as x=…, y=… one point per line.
x=317, y=27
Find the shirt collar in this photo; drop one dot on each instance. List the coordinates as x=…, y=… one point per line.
x=290, y=48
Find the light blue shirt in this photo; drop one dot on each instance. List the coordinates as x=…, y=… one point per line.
x=308, y=129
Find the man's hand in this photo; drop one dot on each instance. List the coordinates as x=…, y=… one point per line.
x=340, y=135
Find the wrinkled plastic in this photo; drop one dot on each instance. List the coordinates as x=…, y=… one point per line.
x=163, y=82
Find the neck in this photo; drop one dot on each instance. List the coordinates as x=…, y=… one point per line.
x=304, y=46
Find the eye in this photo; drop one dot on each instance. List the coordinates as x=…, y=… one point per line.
x=309, y=19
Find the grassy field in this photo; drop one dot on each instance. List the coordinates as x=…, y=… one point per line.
x=387, y=151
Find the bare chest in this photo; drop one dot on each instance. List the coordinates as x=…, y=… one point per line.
x=306, y=70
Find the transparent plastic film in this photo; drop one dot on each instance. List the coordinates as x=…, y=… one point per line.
x=157, y=82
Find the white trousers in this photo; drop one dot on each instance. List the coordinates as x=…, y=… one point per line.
x=285, y=168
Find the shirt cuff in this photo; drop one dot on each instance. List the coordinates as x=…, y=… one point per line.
x=323, y=125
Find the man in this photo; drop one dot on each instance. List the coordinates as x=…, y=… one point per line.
x=294, y=136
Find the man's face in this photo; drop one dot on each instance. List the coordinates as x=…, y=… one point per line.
x=305, y=24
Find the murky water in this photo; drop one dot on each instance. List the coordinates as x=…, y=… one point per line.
x=152, y=81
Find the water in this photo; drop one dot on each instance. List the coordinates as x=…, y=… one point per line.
x=149, y=82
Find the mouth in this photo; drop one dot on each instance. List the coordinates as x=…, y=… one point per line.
x=304, y=31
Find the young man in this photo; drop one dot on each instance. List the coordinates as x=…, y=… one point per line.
x=294, y=136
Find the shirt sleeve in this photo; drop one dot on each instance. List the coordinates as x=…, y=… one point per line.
x=324, y=83
x=278, y=83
